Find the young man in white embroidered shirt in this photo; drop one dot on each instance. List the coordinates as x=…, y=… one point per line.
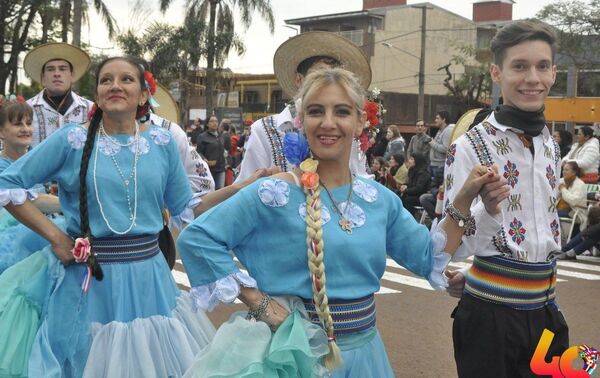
x=56, y=66
x=501, y=316
x=293, y=60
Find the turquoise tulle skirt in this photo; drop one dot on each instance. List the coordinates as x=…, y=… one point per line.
x=18, y=241
x=245, y=348
x=6, y=220
x=133, y=323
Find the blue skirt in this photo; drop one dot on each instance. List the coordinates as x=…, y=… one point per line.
x=133, y=323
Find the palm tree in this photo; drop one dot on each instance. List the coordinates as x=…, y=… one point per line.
x=80, y=10
x=220, y=12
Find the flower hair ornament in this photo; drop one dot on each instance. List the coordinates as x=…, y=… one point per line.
x=83, y=253
x=150, y=86
x=295, y=147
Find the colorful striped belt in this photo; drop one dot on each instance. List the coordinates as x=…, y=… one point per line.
x=517, y=284
x=125, y=249
x=349, y=315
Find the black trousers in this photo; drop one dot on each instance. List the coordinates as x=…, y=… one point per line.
x=496, y=341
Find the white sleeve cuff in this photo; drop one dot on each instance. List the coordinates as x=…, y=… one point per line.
x=187, y=216
x=15, y=196
x=225, y=290
x=437, y=279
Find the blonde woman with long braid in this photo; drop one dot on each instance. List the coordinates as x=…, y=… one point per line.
x=314, y=242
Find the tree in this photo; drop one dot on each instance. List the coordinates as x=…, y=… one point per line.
x=219, y=12
x=80, y=13
x=171, y=52
x=16, y=20
x=470, y=89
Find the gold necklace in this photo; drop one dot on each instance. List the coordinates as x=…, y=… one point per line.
x=345, y=223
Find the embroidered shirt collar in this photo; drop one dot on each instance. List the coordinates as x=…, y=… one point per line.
x=492, y=119
x=78, y=101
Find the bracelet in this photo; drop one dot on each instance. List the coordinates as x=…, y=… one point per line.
x=466, y=222
x=261, y=310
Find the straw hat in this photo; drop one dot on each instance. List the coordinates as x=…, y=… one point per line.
x=306, y=45
x=36, y=58
x=464, y=123
x=168, y=108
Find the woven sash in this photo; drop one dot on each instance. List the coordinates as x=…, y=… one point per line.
x=349, y=315
x=125, y=249
x=517, y=284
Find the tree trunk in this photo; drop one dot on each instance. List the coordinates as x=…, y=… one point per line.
x=65, y=19
x=77, y=19
x=210, y=58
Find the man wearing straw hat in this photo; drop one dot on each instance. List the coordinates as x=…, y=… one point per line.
x=293, y=60
x=56, y=66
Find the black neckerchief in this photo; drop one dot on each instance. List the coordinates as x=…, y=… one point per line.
x=531, y=123
x=59, y=103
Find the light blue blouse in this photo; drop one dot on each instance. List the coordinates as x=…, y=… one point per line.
x=161, y=180
x=263, y=224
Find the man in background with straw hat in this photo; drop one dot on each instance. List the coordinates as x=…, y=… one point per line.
x=56, y=66
x=293, y=60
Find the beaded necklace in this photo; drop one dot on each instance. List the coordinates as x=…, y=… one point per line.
x=132, y=212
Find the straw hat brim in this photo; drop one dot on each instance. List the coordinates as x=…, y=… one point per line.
x=36, y=58
x=464, y=123
x=168, y=108
x=303, y=46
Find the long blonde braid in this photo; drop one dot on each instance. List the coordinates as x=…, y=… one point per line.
x=316, y=252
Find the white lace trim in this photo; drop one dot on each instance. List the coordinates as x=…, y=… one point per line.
x=160, y=136
x=365, y=191
x=225, y=290
x=16, y=196
x=437, y=279
x=354, y=213
x=144, y=145
x=274, y=192
x=187, y=216
x=76, y=137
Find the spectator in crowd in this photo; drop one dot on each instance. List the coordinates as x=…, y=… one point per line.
x=586, y=239
x=395, y=142
x=418, y=183
x=396, y=173
x=586, y=152
x=420, y=141
x=439, y=146
x=210, y=145
x=378, y=143
x=233, y=146
x=245, y=134
x=572, y=190
x=564, y=139
x=197, y=129
x=378, y=169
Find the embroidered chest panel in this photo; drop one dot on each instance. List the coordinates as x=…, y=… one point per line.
x=275, y=143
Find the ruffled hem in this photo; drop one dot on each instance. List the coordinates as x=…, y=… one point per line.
x=187, y=216
x=245, y=348
x=157, y=346
x=437, y=279
x=225, y=290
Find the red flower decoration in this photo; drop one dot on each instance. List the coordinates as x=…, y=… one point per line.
x=150, y=82
x=372, y=110
x=365, y=143
x=92, y=111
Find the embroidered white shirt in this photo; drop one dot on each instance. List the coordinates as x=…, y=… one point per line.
x=46, y=120
x=527, y=228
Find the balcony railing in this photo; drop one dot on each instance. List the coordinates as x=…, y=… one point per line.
x=356, y=36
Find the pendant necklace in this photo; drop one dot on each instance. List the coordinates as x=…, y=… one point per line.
x=344, y=222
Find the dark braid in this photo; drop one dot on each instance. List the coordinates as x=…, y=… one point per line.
x=83, y=169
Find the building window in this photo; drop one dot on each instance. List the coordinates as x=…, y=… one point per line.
x=250, y=97
x=355, y=36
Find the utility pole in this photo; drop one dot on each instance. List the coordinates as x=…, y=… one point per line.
x=421, y=103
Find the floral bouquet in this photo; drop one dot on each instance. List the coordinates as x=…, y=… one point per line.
x=375, y=110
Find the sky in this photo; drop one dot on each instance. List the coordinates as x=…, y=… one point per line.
x=260, y=44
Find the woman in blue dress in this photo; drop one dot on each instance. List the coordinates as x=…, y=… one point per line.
x=17, y=241
x=114, y=310
x=314, y=243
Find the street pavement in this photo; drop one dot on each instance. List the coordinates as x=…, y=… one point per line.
x=415, y=324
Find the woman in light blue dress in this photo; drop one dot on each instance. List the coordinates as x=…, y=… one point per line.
x=314, y=243
x=118, y=312
x=17, y=241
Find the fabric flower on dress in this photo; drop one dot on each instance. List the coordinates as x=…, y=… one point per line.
x=82, y=250
x=354, y=213
x=144, y=146
x=108, y=147
x=76, y=137
x=325, y=213
x=295, y=147
x=274, y=192
x=160, y=136
x=365, y=191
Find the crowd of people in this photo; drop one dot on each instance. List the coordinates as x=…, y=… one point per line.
x=88, y=291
